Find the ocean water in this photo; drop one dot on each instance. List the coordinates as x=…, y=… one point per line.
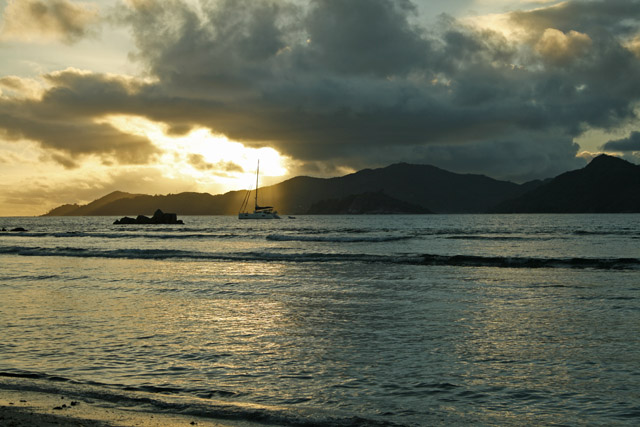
x=331, y=320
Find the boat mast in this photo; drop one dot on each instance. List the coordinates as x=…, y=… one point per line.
x=257, y=173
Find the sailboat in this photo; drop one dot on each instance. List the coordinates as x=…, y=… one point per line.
x=259, y=212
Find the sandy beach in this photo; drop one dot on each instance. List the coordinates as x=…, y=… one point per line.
x=28, y=409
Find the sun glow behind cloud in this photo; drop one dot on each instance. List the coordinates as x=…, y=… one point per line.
x=207, y=159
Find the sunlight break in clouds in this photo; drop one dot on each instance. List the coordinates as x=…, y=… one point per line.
x=207, y=159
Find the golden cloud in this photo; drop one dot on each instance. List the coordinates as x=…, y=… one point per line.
x=634, y=46
x=19, y=87
x=44, y=21
x=559, y=48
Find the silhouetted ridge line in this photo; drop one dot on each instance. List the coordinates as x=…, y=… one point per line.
x=399, y=188
x=606, y=185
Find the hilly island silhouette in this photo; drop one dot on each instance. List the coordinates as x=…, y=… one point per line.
x=607, y=185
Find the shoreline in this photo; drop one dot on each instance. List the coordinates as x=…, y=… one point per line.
x=22, y=408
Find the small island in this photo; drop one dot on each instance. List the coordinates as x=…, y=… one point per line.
x=158, y=217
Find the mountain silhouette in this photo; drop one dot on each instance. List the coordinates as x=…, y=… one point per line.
x=427, y=186
x=420, y=187
x=366, y=203
x=606, y=185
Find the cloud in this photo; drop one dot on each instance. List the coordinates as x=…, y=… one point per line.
x=356, y=82
x=20, y=87
x=634, y=45
x=199, y=162
x=363, y=37
x=610, y=17
x=632, y=143
x=560, y=48
x=64, y=119
x=353, y=84
x=508, y=159
x=77, y=138
x=41, y=21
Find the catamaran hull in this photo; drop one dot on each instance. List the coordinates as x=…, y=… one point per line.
x=258, y=215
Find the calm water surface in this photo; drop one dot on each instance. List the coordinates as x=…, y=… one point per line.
x=407, y=320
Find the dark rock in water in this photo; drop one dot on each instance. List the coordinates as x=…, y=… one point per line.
x=141, y=219
x=18, y=229
x=125, y=220
x=158, y=217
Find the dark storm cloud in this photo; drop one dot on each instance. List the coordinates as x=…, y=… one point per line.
x=363, y=37
x=345, y=80
x=632, y=143
x=361, y=82
x=540, y=157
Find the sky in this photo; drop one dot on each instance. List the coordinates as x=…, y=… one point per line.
x=166, y=96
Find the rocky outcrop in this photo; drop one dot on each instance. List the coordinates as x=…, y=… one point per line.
x=158, y=217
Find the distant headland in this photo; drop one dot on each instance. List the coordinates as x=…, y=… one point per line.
x=606, y=185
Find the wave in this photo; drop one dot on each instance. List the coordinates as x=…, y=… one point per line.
x=504, y=238
x=529, y=262
x=146, y=234
x=319, y=257
x=100, y=253
x=202, y=403
x=334, y=238
x=622, y=232
x=321, y=235
x=162, y=254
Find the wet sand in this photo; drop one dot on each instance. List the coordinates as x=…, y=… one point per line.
x=27, y=409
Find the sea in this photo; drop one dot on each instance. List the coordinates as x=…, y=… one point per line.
x=399, y=320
